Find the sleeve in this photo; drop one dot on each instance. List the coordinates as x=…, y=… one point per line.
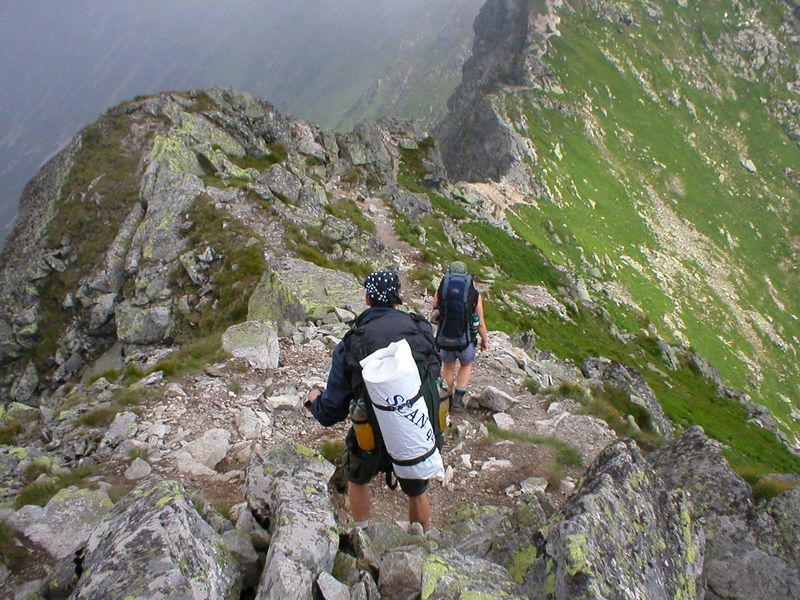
x=333, y=405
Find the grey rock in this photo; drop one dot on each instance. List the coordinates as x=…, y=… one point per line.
x=254, y=341
x=533, y=485
x=452, y=576
x=167, y=549
x=102, y=311
x=503, y=421
x=551, y=371
x=138, y=469
x=332, y=589
x=188, y=465
x=247, y=524
x=281, y=182
x=473, y=530
x=248, y=423
x=298, y=290
x=401, y=575
x=123, y=427
x=629, y=380
x=29, y=590
x=577, y=553
x=210, y=448
x=495, y=400
x=412, y=205
x=751, y=552
x=193, y=268
x=150, y=379
x=63, y=526
x=288, y=488
x=240, y=545
x=25, y=386
x=143, y=326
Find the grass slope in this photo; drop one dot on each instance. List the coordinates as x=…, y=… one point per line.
x=644, y=148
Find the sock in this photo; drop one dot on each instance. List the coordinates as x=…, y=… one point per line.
x=362, y=524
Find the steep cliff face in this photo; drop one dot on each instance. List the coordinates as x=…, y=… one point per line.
x=477, y=140
x=651, y=149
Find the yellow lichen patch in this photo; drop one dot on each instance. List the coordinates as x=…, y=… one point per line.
x=434, y=568
x=576, y=549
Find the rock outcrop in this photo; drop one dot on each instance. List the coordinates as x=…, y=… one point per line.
x=154, y=544
x=751, y=550
x=477, y=139
x=621, y=534
x=287, y=489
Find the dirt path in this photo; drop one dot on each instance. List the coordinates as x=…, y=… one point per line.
x=484, y=470
x=409, y=257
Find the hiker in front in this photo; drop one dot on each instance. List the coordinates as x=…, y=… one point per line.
x=458, y=313
x=384, y=377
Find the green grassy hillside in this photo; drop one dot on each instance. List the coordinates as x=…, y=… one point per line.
x=664, y=150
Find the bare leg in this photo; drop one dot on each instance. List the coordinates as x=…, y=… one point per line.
x=449, y=374
x=419, y=510
x=464, y=373
x=358, y=494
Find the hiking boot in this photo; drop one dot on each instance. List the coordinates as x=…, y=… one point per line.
x=457, y=399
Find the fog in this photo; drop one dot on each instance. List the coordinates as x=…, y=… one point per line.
x=66, y=61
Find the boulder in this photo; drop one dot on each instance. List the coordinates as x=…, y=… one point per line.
x=751, y=552
x=495, y=400
x=287, y=487
x=414, y=206
x=504, y=421
x=63, y=526
x=298, y=290
x=401, y=574
x=148, y=325
x=138, y=469
x=453, y=576
x=240, y=545
x=621, y=530
x=282, y=183
x=248, y=423
x=332, y=589
x=210, y=448
x=123, y=427
x=628, y=379
x=254, y=341
x=154, y=544
x=25, y=386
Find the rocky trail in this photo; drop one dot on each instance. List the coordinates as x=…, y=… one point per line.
x=234, y=406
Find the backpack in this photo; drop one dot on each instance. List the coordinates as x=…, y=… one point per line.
x=394, y=325
x=456, y=305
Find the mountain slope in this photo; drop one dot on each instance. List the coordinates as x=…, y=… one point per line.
x=336, y=64
x=652, y=149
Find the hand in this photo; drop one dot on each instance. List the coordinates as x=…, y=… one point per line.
x=484, y=343
x=312, y=395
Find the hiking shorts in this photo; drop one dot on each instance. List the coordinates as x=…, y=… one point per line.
x=361, y=467
x=465, y=356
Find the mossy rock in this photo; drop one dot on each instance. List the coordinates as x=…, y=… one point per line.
x=297, y=290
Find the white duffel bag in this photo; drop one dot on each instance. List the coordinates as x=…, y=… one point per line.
x=392, y=381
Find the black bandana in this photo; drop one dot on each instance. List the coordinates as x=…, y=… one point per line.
x=383, y=288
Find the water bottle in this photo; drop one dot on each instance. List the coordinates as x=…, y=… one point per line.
x=361, y=425
x=444, y=402
x=474, y=321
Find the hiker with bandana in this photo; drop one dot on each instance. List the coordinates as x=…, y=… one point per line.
x=374, y=329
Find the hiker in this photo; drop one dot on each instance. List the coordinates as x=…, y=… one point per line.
x=401, y=438
x=458, y=313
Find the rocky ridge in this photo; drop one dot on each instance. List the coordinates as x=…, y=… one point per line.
x=231, y=239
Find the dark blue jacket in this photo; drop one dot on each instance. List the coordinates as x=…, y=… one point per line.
x=334, y=403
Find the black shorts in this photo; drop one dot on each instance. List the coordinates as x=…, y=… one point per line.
x=362, y=466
